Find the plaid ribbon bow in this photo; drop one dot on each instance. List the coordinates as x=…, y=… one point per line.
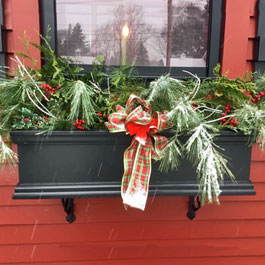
x=136, y=119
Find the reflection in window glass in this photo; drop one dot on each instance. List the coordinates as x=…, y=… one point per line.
x=143, y=33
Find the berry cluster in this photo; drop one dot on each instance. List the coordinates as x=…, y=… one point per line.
x=228, y=108
x=28, y=119
x=232, y=121
x=79, y=124
x=101, y=115
x=194, y=105
x=256, y=98
x=49, y=89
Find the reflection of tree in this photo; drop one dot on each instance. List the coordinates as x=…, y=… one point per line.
x=108, y=37
x=72, y=42
x=189, y=32
x=141, y=56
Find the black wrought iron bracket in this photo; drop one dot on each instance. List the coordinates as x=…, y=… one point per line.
x=68, y=205
x=192, y=207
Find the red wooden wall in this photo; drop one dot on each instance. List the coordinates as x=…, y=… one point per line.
x=35, y=232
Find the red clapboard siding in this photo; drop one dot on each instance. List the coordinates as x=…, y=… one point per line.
x=254, y=260
x=165, y=261
x=235, y=40
x=130, y=231
x=34, y=232
x=100, y=210
x=133, y=249
x=21, y=16
x=257, y=154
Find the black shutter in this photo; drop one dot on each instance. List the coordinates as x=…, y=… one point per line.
x=260, y=52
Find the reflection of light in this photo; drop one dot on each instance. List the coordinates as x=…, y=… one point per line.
x=125, y=31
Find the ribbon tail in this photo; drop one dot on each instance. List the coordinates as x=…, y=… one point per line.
x=137, y=171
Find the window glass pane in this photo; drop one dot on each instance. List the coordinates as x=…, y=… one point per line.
x=144, y=33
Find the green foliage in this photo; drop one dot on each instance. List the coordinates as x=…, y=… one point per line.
x=14, y=95
x=122, y=83
x=211, y=165
x=196, y=110
x=80, y=97
x=252, y=122
x=172, y=157
x=223, y=91
x=63, y=97
x=7, y=154
x=164, y=92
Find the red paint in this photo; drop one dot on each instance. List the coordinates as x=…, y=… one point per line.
x=145, y=249
x=235, y=260
x=236, y=34
x=21, y=16
x=35, y=231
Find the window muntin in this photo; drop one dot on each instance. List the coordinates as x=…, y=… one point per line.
x=88, y=28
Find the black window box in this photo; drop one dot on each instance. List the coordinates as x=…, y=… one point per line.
x=75, y=164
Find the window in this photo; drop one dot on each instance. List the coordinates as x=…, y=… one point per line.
x=156, y=36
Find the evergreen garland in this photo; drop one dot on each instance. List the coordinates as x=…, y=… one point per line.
x=58, y=97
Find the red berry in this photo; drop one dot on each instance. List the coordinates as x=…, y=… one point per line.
x=223, y=114
x=223, y=120
x=261, y=94
x=26, y=120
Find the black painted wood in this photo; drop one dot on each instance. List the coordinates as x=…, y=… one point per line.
x=215, y=31
x=64, y=164
x=48, y=20
x=2, y=38
x=260, y=46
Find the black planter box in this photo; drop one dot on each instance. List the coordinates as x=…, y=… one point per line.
x=71, y=164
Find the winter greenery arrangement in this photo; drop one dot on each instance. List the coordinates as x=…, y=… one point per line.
x=60, y=96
